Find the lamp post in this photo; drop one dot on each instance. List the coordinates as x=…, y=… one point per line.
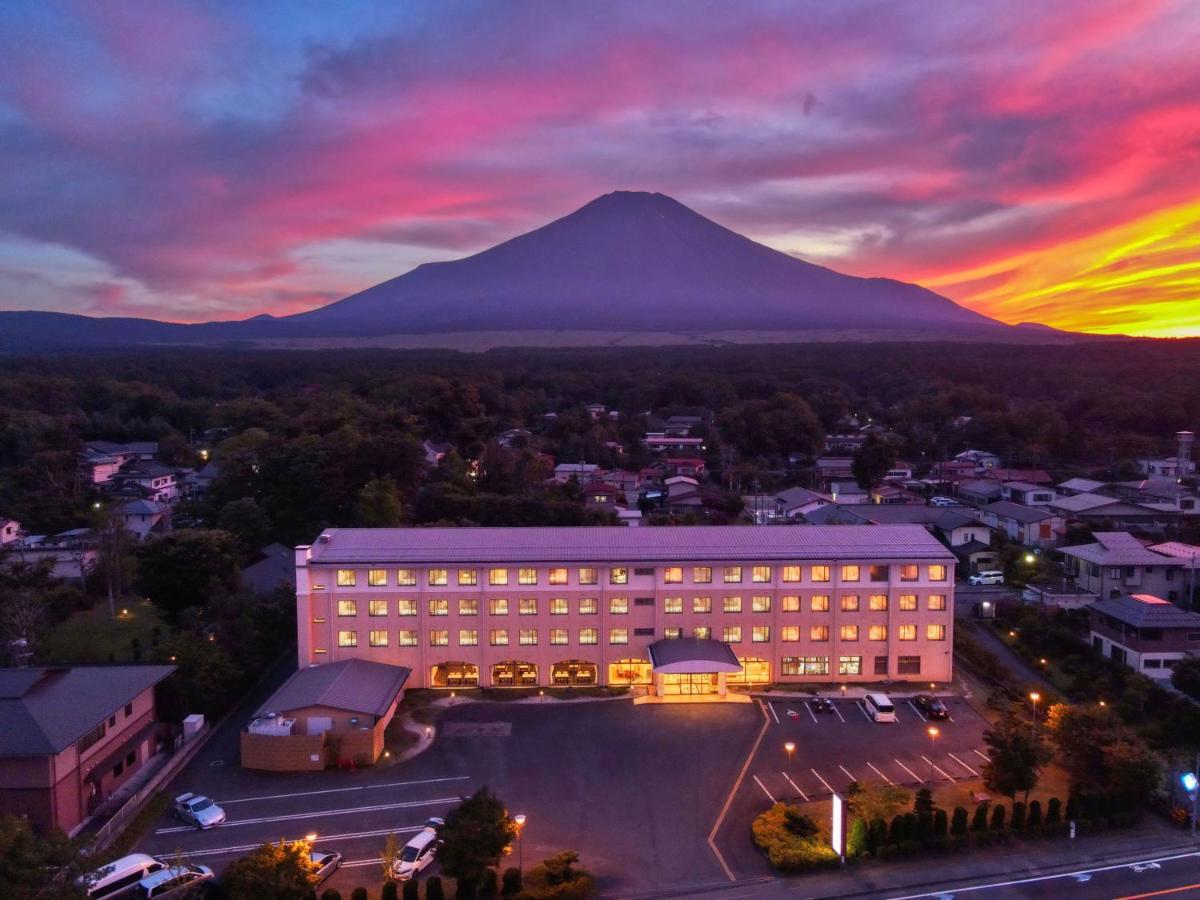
x=519, y=818
x=933, y=733
x=1191, y=784
x=790, y=748
x=1034, y=697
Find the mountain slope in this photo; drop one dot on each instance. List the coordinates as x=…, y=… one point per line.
x=635, y=261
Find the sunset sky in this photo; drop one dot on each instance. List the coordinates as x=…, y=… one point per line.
x=211, y=160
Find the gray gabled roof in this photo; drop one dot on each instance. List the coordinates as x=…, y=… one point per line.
x=355, y=685
x=1005, y=509
x=1117, y=548
x=44, y=711
x=1146, y=611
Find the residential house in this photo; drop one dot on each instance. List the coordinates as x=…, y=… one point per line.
x=845, y=443
x=71, y=554
x=833, y=468
x=969, y=538
x=1073, y=486
x=1188, y=556
x=145, y=517
x=1118, y=563
x=274, y=567
x=682, y=426
x=141, y=450
x=597, y=410
x=601, y=495
x=514, y=438
x=147, y=478
x=10, y=530
x=900, y=471
x=70, y=737
x=686, y=465
x=1025, y=493
x=196, y=483
x=954, y=470
x=579, y=471
x=848, y=492
x=1032, y=476
x=888, y=494
x=1144, y=632
x=797, y=501
x=1098, y=510
x=981, y=459
x=1164, y=496
x=1170, y=468
x=660, y=442
x=1033, y=527
x=435, y=451
x=333, y=714
x=979, y=491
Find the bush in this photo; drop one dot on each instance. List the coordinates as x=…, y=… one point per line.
x=877, y=834
x=510, y=882
x=896, y=831
x=941, y=824
x=433, y=889
x=1053, y=811
x=958, y=822
x=859, y=841
x=1074, y=803
x=1035, y=814
x=979, y=821
x=489, y=886
x=412, y=889
x=799, y=824
x=1018, y=817
x=786, y=850
x=997, y=817
x=465, y=889
x=331, y=894
x=389, y=891
x=359, y=893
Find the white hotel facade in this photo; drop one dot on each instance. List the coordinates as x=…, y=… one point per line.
x=753, y=605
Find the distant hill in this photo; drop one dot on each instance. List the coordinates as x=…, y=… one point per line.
x=627, y=263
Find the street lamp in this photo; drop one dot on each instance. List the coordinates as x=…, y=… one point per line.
x=933, y=733
x=1191, y=784
x=519, y=819
x=1030, y=558
x=790, y=748
x=1034, y=697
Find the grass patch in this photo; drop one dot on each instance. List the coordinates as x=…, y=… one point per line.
x=123, y=845
x=90, y=636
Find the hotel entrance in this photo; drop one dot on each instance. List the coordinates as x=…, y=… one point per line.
x=704, y=683
x=692, y=670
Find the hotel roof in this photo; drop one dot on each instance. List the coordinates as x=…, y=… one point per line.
x=600, y=544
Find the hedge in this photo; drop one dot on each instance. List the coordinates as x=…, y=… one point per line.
x=787, y=851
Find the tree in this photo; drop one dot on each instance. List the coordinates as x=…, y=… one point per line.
x=559, y=877
x=412, y=889
x=1186, y=676
x=475, y=836
x=941, y=823
x=284, y=871
x=958, y=823
x=389, y=856
x=185, y=568
x=248, y=523
x=359, y=893
x=979, y=820
x=1035, y=814
x=997, y=817
x=872, y=460
x=434, y=890
x=1132, y=770
x=22, y=618
x=1016, y=757
x=510, y=882
x=378, y=504
x=114, y=557
x=38, y=867
x=391, y=891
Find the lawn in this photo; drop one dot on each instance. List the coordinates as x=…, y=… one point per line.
x=90, y=636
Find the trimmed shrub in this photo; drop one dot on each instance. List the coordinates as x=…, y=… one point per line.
x=490, y=885
x=997, y=817
x=896, y=831
x=958, y=822
x=979, y=820
x=877, y=834
x=331, y=894
x=359, y=893
x=465, y=889
x=433, y=889
x=1035, y=814
x=941, y=823
x=1053, y=811
x=786, y=850
x=510, y=882
x=389, y=891
x=412, y=890
x=1018, y=817
x=859, y=841
x=1074, y=804
x=912, y=829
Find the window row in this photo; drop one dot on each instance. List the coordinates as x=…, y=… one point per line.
x=794, y=574
x=561, y=606
x=730, y=634
x=847, y=665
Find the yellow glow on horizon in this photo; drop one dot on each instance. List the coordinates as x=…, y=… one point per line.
x=1139, y=278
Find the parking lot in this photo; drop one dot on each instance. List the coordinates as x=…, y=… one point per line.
x=832, y=749
x=634, y=789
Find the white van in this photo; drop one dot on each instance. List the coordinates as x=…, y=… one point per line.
x=880, y=708
x=987, y=576
x=120, y=875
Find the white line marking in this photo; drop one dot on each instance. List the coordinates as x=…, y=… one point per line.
x=963, y=764
x=823, y=781
x=982, y=756
x=811, y=714
x=770, y=796
x=914, y=709
x=774, y=714
x=880, y=774
x=944, y=892
x=313, y=815
x=839, y=713
x=796, y=786
x=364, y=787
x=939, y=768
x=915, y=776
x=862, y=709
x=350, y=835
x=848, y=775
x=712, y=843
x=896, y=711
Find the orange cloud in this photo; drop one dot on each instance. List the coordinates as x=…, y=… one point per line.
x=1138, y=278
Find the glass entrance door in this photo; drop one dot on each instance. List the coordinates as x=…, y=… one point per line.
x=703, y=683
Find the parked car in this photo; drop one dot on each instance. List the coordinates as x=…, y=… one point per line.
x=327, y=862
x=177, y=881
x=116, y=878
x=821, y=705
x=944, y=501
x=419, y=852
x=199, y=811
x=931, y=707
x=988, y=576
x=879, y=707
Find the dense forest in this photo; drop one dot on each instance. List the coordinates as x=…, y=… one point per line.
x=308, y=439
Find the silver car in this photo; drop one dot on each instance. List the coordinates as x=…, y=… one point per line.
x=176, y=881
x=198, y=810
x=327, y=862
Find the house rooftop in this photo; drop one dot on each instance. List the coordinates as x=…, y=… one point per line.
x=1005, y=509
x=1116, y=548
x=418, y=546
x=44, y=711
x=1082, y=485
x=1146, y=611
x=1178, y=550
x=355, y=685
x=1083, y=502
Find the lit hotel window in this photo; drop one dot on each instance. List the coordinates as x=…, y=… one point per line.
x=672, y=633
x=468, y=606
x=790, y=633
x=377, y=577
x=347, y=607
x=588, y=606
x=702, y=575
x=377, y=638
x=498, y=637
x=377, y=607
x=818, y=633
x=820, y=573
x=468, y=637
x=820, y=603
x=528, y=637
x=559, y=606
x=935, y=632
x=704, y=632
x=760, y=634
x=558, y=636
x=526, y=576
x=347, y=638
x=406, y=607
x=908, y=632
x=850, y=603
x=439, y=638
x=791, y=574
x=673, y=575
x=790, y=603
x=937, y=602
x=909, y=572
x=850, y=665
x=849, y=632
x=732, y=634
x=618, y=575
x=850, y=573
x=406, y=637
x=345, y=578
x=589, y=636
x=760, y=604
x=558, y=576
x=498, y=606
x=937, y=573
x=702, y=604
x=760, y=574
x=618, y=606
x=908, y=602
x=618, y=635
x=438, y=577
x=733, y=574
x=439, y=607
x=877, y=633
x=589, y=575
x=731, y=605
x=672, y=604
x=467, y=577
x=497, y=577
x=406, y=577
x=527, y=606
x=878, y=603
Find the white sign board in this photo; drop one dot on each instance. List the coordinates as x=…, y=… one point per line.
x=837, y=832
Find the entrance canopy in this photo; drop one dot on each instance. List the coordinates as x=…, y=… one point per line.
x=692, y=656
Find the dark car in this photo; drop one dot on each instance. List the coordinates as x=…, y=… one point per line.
x=821, y=705
x=931, y=707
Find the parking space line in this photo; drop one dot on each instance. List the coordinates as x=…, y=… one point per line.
x=770, y=796
x=963, y=764
x=880, y=774
x=939, y=768
x=839, y=713
x=982, y=756
x=896, y=712
x=796, y=786
x=847, y=771
x=317, y=813
x=349, y=835
x=737, y=785
x=862, y=709
x=823, y=781
x=915, y=776
x=811, y=715
x=363, y=787
x=774, y=714
x=914, y=708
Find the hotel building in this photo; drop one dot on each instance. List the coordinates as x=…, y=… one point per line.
x=748, y=605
